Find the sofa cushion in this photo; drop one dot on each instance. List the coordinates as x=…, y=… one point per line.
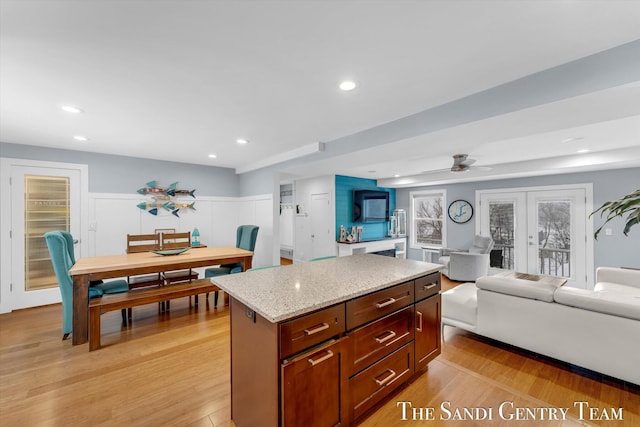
x=623, y=276
x=518, y=287
x=618, y=304
x=617, y=288
x=461, y=303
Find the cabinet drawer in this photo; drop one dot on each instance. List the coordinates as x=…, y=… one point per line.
x=374, y=383
x=427, y=286
x=307, y=331
x=375, y=340
x=370, y=307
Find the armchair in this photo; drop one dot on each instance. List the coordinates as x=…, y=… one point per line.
x=467, y=264
x=60, y=245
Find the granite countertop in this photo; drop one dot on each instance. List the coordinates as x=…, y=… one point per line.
x=284, y=292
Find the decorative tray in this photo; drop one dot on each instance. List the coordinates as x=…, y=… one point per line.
x=171, y=252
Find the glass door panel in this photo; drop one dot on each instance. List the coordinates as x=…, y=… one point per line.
x=46, y=202
x=44, y=196
x=502, y=217
x=554, y=238
x=502, y=226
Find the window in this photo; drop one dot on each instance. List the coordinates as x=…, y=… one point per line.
x=427, y=218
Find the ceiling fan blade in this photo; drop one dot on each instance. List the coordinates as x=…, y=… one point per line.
x=434, y=171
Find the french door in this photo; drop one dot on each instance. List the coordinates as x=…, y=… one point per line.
x=44, y=197
x=538, y=231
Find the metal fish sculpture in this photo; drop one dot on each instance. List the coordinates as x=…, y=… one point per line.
x=175, y=207
x=153, y=207
x=152, y=188
x=165, y=198
x=173, y=192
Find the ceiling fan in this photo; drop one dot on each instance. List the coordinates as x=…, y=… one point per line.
x=461, y=163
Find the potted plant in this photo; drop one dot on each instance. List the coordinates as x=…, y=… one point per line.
x=626, y=205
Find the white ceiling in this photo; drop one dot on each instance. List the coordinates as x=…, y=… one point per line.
x=178, y=80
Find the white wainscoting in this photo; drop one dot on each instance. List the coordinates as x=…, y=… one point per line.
x=113, y=216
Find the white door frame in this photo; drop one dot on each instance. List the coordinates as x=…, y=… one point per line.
x=588, y=190
x=6, y=166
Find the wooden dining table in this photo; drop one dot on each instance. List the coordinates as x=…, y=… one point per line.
x=112, y=266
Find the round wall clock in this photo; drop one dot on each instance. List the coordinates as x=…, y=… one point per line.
x=460, y=211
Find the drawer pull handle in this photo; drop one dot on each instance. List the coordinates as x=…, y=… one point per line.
x=314, y=362
x=419, y=328
x=386, y=379
x=390, y=334
x=386, y=303
x=431, y=286
x=316, y=329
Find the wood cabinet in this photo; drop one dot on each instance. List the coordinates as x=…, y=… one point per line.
x=306, y=331
x=331, y=366
x=428, y=313
x=312, y=384
x=374, y=341
x=370, y=307
x=370, y=386
x=427, y=341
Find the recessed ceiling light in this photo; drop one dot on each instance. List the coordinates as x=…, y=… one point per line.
x=242, y=141
x=396, y=175
x=347, y=85
x=582, y=151
x=371, y=171
x=212, y=156
x=71, y=109
x=81, y=138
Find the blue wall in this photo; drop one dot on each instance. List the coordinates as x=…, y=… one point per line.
x=344, y=207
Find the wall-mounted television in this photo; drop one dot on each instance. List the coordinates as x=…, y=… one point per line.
x=370, y=206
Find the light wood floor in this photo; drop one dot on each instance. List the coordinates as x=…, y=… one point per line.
x=173, y=370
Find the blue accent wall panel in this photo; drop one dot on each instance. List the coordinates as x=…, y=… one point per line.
x=344, y=206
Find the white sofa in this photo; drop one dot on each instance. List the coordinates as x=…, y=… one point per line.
x=596, y=329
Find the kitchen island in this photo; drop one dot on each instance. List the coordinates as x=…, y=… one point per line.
x=321, y=343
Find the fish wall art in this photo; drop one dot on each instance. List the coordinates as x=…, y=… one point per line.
x=165, y=199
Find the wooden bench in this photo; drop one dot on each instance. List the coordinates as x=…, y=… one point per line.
x=136, y=297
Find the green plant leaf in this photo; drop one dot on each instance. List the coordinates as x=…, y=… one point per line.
x=626, y=205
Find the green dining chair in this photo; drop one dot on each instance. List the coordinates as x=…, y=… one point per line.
x=60, y=245
x=246, y=236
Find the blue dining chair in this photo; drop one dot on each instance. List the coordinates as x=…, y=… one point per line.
x=60, y=245
x=246, y=236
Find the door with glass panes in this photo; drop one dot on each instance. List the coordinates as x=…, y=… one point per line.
x=43, y=199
